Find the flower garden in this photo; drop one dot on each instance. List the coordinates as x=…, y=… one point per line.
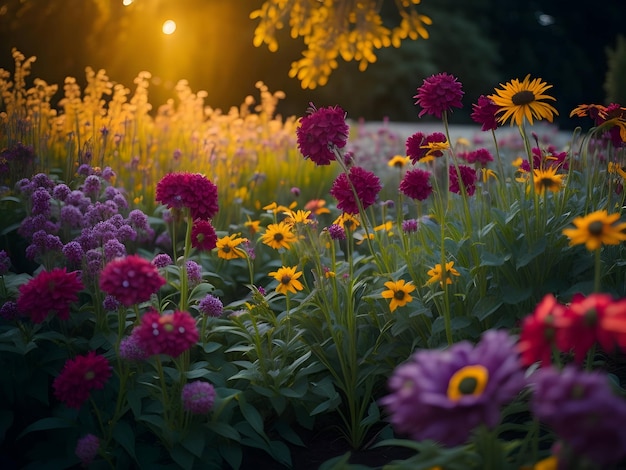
x=183, y=287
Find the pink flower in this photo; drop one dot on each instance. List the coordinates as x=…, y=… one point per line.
x=484, y=113
x=414, y=147
x=438, y=94
x=320, y=131
x=170, y=334
x=416, y=184
x=79, y=377
x=198, y=397
x=203, y=236
x=481, y=156
x=190, y=190
x=468, y=177
x=366, y=184
x=48, y=293
x=131, y=280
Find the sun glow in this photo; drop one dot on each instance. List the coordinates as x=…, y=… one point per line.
x=169, y=27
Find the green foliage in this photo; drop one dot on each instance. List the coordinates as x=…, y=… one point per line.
x=615, y=81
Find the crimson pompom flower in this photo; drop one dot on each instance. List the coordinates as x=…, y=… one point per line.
x=484, y=113
x=131, y=280
x=444, y=394
x=48, y=293
x=366, y=184
x=439, y=93
x=320, y=131
x=414, y=148
x=468, y=177
x=170, y=333
x=79, y=377
x=203, y=236
x=538, y=335
x=188, y=190
x=416, y=184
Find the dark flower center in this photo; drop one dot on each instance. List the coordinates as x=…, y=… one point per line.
x=596, y=228
x=548, y=183
x=468, y=385
x=226, y=249
x=286, y=279
x=591, y=317
x=278, y=237
x=523, y=97
x=89, y=375
x=399, y=294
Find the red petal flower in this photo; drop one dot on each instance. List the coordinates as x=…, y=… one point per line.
x=203, y=236
x=539, y=331
x=170, y=334
x=366, y=184
x=416, y=184
x=79, y=377
x=131, y=280
x=190, y=190
x=321, y=130
x=439, y=93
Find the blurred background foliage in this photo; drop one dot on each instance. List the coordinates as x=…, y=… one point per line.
x=482, y=42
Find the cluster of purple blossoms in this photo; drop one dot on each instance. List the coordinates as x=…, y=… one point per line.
x=211, y=306
x=198, y=397
x=336, y=232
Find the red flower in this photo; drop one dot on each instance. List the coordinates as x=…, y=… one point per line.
x=170, y=334
x=130, y=280
x=203, y=236
x=484, y=113
x=539, y=330
x=79, y=377
x=416, y=184
x=414, y=147
x=481, y=156
x=190, y=190
x=438, y=94
x=366, y=184
x=320, y=131
x=468, y=176
x=49, y=292
x=587, y=320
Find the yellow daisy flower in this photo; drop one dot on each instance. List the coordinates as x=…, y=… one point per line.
x=227, y=247
x=399, y=292
x=287, y=280
x=278, y=235
x=398, y=161
x=547, y=180
x=435, y=273
x=347, y=221
x=596, y=229
x=298, y=217
x=518, y=100
x=615, y=168
x=252, y=225
x=469, y=380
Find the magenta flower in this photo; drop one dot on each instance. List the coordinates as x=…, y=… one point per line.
x=188, y=190
x=438, y=94
x=170, y=334
x=416, y=184
x=484, y=113
x=203, y=236
x=50, y=292
x=444, y=394
x=79, y=377
x=131, y=280
x=198, y=397
x=320, y=131
x=468, y=177
x=366, y=184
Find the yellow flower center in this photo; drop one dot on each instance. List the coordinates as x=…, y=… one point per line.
x=469, y=380
x=596, y=228
x=523, y=97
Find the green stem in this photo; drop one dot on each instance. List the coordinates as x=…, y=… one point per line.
x=597, y=271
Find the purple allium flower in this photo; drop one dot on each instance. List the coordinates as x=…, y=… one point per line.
x=366, y=184
x=164, y=240
x=126, y=233
x=138, y=219
x=41, y=180
x=114, y=249
x=198, y=397
x=336, y=232
x=78, y=199
x=194, y=272
x=5, y=262
x=84, y=170
x=211, y=306
x=73, y=252
x=161, y=260
x=87, y=449
x=295, y=191
x=320, y=131
x=416, y=184
x=468, y=176
x=583, y=411
x=438, y=94
x=120, y=201
x=130, y=350
x=108, y=174
x=71, y=217
x=92, y=185
x=110, y=192
x=35, y=223
x=444, y=394
x=25, y=186
x=94, y=262
x=410, y=225
x=40, y=200
x=110, y=303
x=9, y=311
x=484, y=113
x=60, y=192
x=99, y=212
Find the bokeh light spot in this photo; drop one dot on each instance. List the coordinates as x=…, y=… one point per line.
x=169, y=27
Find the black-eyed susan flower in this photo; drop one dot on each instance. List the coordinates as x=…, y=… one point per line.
x=399, y=292
x=518, y=100
x=547, y=180
x=253, y=226
x=278, y=235
x=298, y=217
x=227, y=247
x=287, y=278
x=398, y=161
x=347, y=221
x=436, y=273
x=615, y=168
x=596, y=229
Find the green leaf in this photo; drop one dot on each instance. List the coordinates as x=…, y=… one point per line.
x=46, y=424
x=490, y=259
x=486, y=306
x=211, y=346
x=253, y=417
x=182, y=457
x=125, y=436
x=224, y=430
x=538, y=248
x=232, y=454
x=513, y=295
x=194, y=443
